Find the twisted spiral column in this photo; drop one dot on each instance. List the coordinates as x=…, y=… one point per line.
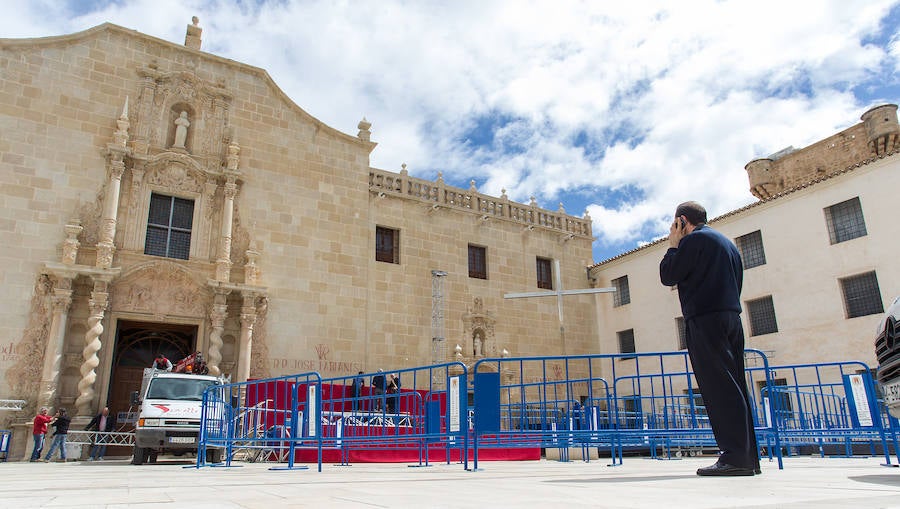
x=217, y=320
x=92, y=345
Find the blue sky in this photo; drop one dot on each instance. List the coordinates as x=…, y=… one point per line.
x=620, y=111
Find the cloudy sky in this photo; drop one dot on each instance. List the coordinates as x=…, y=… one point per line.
x=620, y=109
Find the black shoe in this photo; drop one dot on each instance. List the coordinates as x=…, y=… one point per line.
x=723, y=470
x=757, y=470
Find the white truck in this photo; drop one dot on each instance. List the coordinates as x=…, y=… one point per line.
x=170, y=412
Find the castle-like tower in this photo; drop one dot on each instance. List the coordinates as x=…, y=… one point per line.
x=878, y=134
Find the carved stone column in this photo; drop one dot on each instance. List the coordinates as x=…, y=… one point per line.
x=92, y=345
x=60, y=301
x=116, y=156
x=217, y=319
x=248, y=319
x=232, y=161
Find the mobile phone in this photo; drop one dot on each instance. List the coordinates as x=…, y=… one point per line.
x=681, y=222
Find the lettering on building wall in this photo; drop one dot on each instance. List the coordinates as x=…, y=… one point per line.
x=322, y=366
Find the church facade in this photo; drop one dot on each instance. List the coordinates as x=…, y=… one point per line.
x=161, y=199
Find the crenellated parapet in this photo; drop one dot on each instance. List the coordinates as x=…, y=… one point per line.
x=877, y=135
x=437, y=194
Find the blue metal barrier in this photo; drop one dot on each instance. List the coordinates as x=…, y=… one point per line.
x=651, y=405
x=262, y=419
x=614, y=404
x=283, y=419
x=827, y=404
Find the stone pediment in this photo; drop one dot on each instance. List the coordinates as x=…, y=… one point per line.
x=162, y=289
x=174, y=171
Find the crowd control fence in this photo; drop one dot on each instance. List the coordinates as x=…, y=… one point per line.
x=825, y=408
x=617, y=403
x=586, y=406
x=304, y=418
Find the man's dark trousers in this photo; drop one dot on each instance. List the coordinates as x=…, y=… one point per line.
x=715, y=344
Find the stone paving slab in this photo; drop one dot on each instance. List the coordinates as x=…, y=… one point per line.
x=805, y=482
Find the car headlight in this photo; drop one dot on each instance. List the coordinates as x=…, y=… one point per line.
x=148, y=422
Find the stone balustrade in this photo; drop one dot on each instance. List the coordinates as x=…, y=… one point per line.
x=439, y=194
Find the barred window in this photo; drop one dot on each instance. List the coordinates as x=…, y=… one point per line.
x=862, y=296
x=544, y=273
x=845, y=221
x=682, y=333
x=477, y=262
x=387, y=245
x=626, y=342
x=622, y=295
x=762, y=316
x=751, y=248
x=169, y=227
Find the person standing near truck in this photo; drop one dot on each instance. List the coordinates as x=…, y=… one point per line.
x=39, y=431
x=61, y=423
x=103, y=423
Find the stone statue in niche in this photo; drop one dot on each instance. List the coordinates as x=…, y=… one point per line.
x=477, y=345
x=181, y=128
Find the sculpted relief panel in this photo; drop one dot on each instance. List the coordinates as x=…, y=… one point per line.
x=160, y=289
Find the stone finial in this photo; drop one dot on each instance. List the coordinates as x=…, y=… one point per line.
x=251, y=269
x=192, y=37
x=503, y=194
x=403, y=170
x=70, y=245
x=504, y=353
x=440, y=177
x=533, y=202
x=364, y=133
x=234, y=155
x=587, y=216
x=120, y=137
x=472, y=186
x=458, y=351
x=562, y=210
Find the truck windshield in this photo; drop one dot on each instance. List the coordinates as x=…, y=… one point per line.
x=178, y=388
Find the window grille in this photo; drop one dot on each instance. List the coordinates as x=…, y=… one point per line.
x=751, y=248
x=622, y=295
x=762, y=316
x=477, y=262
x=862, y=296
x=169, y=227
x=845, y=221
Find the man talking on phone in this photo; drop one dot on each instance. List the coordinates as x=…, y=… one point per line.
x=707, y=268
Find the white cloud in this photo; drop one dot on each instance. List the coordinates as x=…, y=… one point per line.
x=679, y=95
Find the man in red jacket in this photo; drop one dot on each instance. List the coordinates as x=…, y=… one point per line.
x=39, y=431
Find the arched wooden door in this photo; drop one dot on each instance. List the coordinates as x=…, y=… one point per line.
x=137, y=344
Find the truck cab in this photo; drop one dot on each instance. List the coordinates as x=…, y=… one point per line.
x=170, y=413
x=887, y=350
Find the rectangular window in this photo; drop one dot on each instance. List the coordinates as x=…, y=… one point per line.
x=387, y=244
x=751, y=248
x=682, y=333
x=626, y=342
x=622, y=295
x=862, y=296
x=845, y=221
x=169, y=227
x=544, y=274
x=477, y=262
x=762, y=316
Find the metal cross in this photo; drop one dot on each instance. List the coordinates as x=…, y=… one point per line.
x=558, y=293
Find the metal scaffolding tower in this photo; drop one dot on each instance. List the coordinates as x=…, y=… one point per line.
x=438, y=341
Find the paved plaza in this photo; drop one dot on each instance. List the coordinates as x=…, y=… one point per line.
x=804, y=483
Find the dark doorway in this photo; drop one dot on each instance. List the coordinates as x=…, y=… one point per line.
x=137, y=343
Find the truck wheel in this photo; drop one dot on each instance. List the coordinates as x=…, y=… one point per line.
x=214, y=455
x=151, y=457
x=140, y=456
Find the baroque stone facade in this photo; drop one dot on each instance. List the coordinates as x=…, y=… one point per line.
x=268, y=262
